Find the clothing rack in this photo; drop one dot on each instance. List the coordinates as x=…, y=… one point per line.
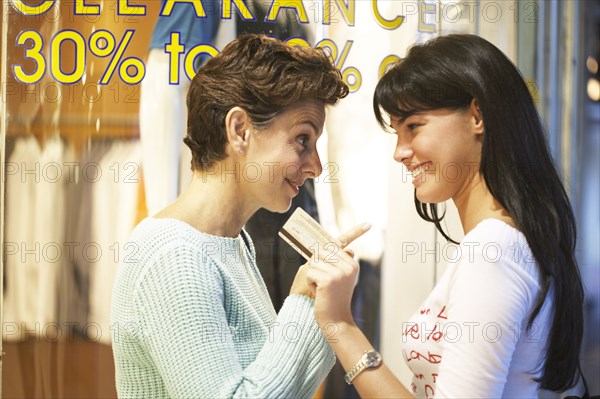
x=77, y=131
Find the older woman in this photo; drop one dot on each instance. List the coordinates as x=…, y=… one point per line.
x=191, y=314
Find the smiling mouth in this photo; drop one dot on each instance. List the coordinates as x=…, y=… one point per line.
x=416, y=172
x=295, y=185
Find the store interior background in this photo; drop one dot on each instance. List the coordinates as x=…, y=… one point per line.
x=67, y=353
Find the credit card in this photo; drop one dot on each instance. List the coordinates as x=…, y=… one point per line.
x=305, y=234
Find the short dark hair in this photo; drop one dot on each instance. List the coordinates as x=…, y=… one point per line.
x=449, y=72
x=261, y=75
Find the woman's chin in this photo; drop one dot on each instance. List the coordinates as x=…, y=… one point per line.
x=426, y=197
x=281, y=207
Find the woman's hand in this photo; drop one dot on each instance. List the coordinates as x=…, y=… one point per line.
x=333, y=272
x=301, y=284
x=334, y=276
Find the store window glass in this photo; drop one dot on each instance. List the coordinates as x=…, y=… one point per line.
x=72, y=189
x=78, y=172
x=587, y=163
x=93, y=119
x=566, y=59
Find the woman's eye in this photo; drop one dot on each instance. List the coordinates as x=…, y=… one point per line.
x=413, y=126
x=303, y=140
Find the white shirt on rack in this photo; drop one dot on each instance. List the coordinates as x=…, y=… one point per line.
x=19, y=303
x=115, y=200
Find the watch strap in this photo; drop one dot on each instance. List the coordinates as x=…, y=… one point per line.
x=368, y=360
x=356, y=370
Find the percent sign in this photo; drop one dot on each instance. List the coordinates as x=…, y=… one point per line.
x=102, y=44
x=351, y=75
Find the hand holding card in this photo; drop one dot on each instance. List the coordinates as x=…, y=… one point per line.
x=306, y=235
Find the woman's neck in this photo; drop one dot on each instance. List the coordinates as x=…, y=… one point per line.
x=476, y=204
x=212, y=203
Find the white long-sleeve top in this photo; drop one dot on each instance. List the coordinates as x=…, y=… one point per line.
x=469, y=338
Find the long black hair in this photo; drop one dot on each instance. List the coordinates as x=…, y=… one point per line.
x=449, y=72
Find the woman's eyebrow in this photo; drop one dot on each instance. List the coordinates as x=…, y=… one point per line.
x=406, y=115
x=308, y=122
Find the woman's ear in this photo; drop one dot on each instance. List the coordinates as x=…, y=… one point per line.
x=477, y=117
x=237, y=123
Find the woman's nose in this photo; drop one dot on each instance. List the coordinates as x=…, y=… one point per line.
x=403, y=152
x=314, y=167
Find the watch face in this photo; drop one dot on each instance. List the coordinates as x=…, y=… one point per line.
x=373, y=359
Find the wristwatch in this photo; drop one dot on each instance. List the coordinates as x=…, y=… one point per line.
x=370, y=359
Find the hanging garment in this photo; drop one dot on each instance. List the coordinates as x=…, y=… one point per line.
x=50, y=231
x=163, y=112
x=34, y=238
x=21, y=266
x=79, y=234
x=113, y=217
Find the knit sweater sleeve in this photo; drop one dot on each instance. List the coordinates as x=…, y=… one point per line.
x=184, y=323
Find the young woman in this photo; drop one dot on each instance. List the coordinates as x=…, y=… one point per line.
x=191, y=316
x=506, y=318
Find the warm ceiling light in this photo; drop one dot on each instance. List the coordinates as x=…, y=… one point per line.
x=592, y=65
x=593, y=89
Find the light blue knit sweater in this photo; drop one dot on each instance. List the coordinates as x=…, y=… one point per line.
x=191, y=318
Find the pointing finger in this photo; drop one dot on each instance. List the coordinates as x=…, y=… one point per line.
x=347, y=237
